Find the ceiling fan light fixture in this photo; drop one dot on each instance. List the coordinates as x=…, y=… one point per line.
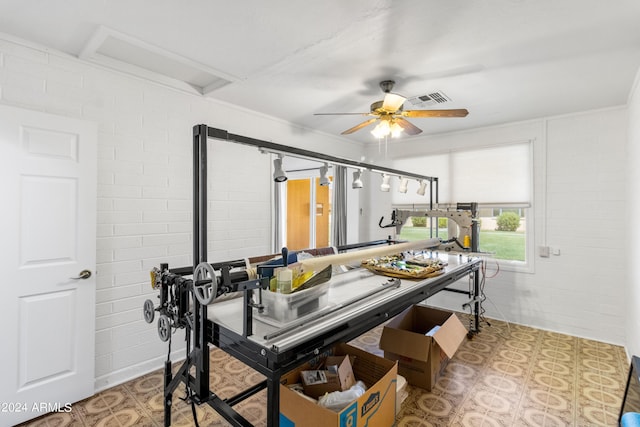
x=395, y=129
x=392, y=102
x=387, y=127
x=381, y=130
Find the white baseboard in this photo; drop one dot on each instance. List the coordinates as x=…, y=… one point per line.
x=122, y=376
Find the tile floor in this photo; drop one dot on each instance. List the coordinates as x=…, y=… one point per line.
x=506, y=376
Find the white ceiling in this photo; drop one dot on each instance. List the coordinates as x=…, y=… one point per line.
x=503, y=60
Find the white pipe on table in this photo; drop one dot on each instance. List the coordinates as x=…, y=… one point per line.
x=318, y=263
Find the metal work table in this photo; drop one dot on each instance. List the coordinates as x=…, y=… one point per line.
x=273, y=353
x=350, y=294
x=354, y=307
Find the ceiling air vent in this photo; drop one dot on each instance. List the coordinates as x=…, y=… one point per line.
x=428, y=100
x=134, y=56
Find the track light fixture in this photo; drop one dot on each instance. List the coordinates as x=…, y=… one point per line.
x=385, y=183
x=404, y=184
x=324, y=181
x=357, y=180
x=423, y=187
x=278, y=172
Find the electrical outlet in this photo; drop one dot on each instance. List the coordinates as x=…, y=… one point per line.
x=544, y=251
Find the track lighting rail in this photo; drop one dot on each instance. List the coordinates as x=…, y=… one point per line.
x=272, y=147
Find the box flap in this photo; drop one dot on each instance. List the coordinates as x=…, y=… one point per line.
x=405, y=343
x=335, y=375
x=367, y=368
x=404, y=320
x=345, y=372
x=450, y=335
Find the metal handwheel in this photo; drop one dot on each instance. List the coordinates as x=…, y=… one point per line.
x=164, y=328
x=205, y=292
x=149, y=311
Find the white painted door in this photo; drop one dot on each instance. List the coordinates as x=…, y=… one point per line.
x=47, y=229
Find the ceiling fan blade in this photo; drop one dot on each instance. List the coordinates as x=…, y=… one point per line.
x=358, y=127
x=408, y=127
x=392, y=102
x=341, y=114
x=436, y=113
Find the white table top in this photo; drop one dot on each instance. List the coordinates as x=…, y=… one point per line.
x=347, y=299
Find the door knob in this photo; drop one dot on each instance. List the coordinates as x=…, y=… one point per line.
x=84, y=274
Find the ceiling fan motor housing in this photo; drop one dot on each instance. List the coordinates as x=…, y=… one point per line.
x=376, y=108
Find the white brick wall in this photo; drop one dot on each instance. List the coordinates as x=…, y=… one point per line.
x=144, y=185
x=632, y=293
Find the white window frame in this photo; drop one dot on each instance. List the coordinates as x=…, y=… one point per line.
x=527, y=265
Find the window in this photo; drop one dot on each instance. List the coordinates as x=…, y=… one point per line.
x=504, y=243
x=503, y=233
x=498, y=178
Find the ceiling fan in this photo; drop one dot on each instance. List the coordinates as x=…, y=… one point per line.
x=391, y=117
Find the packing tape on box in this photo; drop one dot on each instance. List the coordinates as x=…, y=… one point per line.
x=346, y=258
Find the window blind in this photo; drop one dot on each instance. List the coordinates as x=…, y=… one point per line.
x=499, y=175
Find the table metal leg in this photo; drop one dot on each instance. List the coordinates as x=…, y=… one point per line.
x=168, y=394
x=476, y=297
x=273, y=401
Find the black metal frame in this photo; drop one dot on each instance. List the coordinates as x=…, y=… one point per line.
x=271, y=362
x=204, y=132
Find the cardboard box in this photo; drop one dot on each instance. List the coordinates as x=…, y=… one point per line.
x=422, y=340
x=375, y=408
x=320, y=381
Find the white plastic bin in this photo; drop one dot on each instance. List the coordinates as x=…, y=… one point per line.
x=289, y=307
